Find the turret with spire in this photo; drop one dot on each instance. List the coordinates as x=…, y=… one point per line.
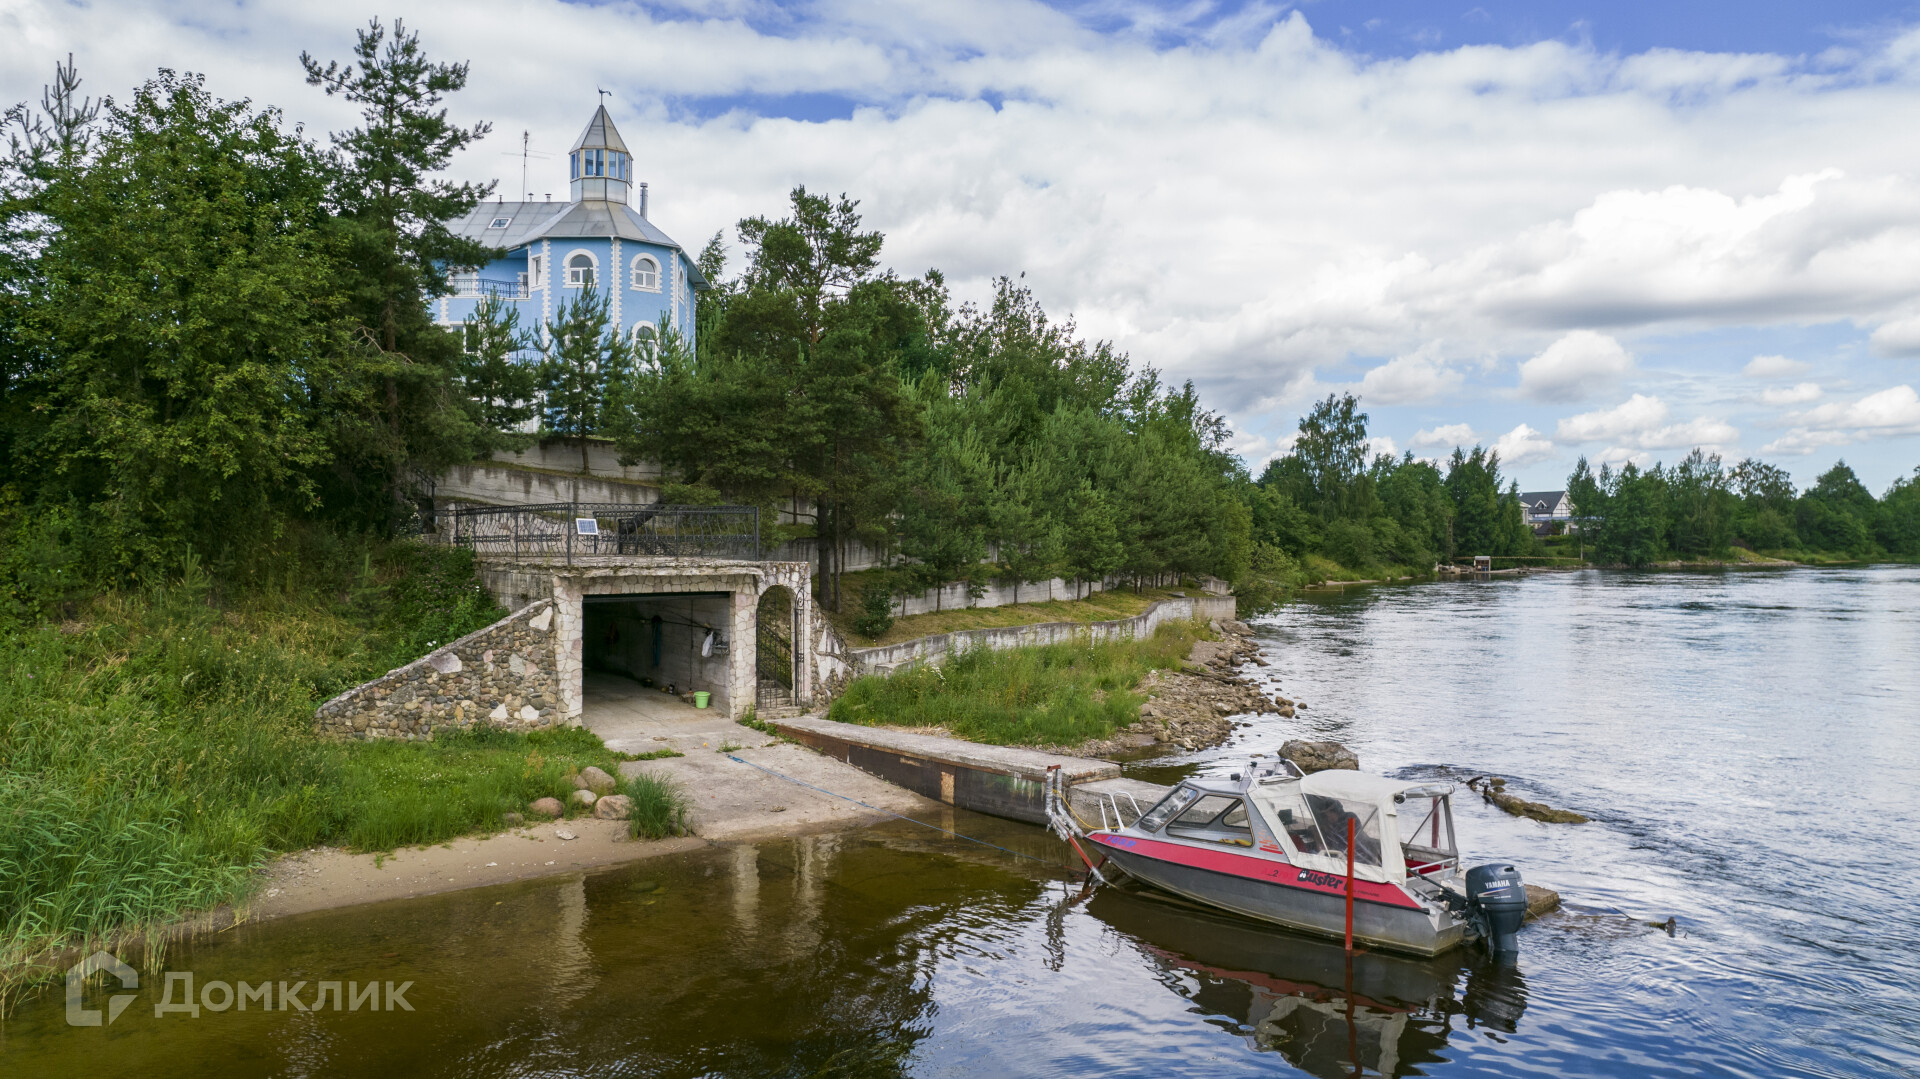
x=599, y=164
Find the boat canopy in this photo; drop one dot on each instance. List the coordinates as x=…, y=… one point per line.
x=1313, y=812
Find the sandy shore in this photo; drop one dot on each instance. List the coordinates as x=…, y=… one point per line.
x=326, y=877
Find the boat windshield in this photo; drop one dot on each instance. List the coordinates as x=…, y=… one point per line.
x=1217, y=818
x=1173, y=804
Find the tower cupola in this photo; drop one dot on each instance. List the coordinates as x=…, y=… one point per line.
x=599, y=165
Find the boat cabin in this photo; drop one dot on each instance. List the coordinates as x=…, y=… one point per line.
x=1400, y=829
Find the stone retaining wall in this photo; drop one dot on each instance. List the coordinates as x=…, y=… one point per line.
x=505, y=675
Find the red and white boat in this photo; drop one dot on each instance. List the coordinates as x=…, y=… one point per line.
x=1272, y=844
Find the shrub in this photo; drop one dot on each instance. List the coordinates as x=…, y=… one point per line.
x=876, y=610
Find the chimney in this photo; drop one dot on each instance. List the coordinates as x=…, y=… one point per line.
x=643, y=199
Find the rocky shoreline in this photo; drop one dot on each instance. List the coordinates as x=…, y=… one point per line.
x=1193, y=706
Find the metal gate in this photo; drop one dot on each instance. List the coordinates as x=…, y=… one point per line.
x=773, y=654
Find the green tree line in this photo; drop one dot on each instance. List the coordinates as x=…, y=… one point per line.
x=1700, y=508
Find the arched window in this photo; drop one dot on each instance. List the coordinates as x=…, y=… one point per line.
x=646, y=340
x=646, y=273
x=580, y=270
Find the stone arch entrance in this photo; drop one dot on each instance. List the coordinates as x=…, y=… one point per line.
x=774, y=651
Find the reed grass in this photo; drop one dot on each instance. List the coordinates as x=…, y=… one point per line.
x=1059, y=694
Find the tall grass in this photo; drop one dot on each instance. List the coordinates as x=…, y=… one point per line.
x=659, y=806
x=157, y=748
x=1059, y=694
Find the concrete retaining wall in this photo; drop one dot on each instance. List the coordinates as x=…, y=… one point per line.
x=1000, y=780
x=505, y=675
x=885, y=659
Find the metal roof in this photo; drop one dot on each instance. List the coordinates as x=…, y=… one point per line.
x=600, y=134
x=590, y=219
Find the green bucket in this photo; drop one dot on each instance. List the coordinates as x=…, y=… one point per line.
x=701, y=697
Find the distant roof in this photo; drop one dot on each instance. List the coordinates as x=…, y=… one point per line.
x=1532, y=500
x=591, y=219
x=600, y=134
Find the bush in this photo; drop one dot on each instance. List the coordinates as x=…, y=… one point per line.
x=1272, y=575
x=876, y=610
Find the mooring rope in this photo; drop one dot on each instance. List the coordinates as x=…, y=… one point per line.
x=889, y=812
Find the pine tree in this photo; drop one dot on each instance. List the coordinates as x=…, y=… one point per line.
x=393, y=211
x=584, y=361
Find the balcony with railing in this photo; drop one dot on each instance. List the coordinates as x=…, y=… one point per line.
x=473, y=286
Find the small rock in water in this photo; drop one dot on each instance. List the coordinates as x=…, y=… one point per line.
x=583, y=797
x=595, y=780
x=1320, y=756
x=613, y=807
x=548, y=807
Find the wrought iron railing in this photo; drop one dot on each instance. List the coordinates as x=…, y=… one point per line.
x=571, y=530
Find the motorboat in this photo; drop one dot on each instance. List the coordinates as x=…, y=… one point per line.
x=1272, y=843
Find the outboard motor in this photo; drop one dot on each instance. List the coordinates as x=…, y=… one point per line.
x=1499, y=900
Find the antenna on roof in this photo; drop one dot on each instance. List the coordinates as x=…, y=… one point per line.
x=526, y=151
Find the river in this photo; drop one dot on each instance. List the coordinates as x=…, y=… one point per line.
x=1745, y=744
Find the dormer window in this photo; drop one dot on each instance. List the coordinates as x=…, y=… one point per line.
x=500, y=222
x=646, y=273
x=580, y=270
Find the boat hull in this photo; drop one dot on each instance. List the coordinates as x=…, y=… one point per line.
x=1401, y=926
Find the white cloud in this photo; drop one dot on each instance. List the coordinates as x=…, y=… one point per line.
x=1382, y=446
x=1640, y=423
x=1446, y=437
x=1893, y=411
x=1408, y=380
x=1523, y=446
x=1774, y=367
x=1900, y=337
x=1574, y=367
x=1796, y=395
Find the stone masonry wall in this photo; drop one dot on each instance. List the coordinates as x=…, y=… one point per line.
x=505, y=675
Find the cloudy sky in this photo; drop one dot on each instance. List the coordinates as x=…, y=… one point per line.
x=1558, y=228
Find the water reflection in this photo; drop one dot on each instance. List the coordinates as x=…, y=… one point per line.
x=1306, y=999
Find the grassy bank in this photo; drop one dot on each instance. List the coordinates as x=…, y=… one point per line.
x=156, y=749
x=1058, y=694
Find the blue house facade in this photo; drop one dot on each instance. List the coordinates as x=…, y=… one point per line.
x=550, y=252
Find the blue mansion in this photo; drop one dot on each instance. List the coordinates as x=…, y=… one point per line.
x=551, y=251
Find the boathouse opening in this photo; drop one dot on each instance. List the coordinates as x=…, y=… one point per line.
x=675, y=643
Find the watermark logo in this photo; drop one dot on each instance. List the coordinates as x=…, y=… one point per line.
x=218, y=996
x=77, y=976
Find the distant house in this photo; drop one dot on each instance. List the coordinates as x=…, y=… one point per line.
x=1549, y=512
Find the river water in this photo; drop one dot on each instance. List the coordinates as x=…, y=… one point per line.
x=1746, y=745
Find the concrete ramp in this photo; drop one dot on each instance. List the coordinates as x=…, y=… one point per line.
x=997, y=780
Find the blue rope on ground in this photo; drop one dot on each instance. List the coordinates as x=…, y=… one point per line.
x=888, y=812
